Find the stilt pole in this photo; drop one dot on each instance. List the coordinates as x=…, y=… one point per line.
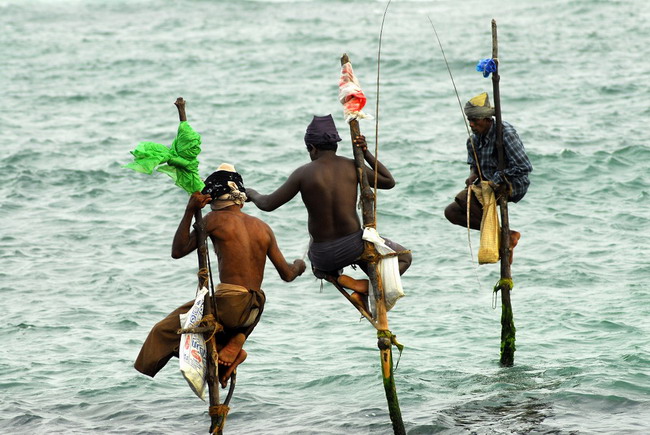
x=505, y=283
x=209, y=308
x=384, y=336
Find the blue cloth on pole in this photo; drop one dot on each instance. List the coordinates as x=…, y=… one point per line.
x=486, y=66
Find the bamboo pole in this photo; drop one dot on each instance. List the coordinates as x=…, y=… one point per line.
x=212, y=376
x=384, y=336
x=505, y=283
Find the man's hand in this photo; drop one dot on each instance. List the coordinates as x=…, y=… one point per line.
x=250, y=194
x=198, y=201
x=471, y=179
x=360, y=142
x=503, y=189
x=300, y=266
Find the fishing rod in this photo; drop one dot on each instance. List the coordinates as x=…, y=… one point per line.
x=469, y=135
x=460, y=105
x=381, y=32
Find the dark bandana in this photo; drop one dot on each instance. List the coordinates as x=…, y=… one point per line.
x=321, y=131
x=217, y=183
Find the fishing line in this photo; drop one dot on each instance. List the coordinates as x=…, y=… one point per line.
x=469, y=135
x=381, y=32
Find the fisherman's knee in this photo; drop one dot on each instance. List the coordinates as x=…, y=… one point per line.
x=405, y=260
x=451, y=213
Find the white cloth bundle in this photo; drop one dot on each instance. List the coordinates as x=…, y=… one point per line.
x=388, y=271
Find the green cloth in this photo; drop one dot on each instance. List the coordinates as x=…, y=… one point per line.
x=181, y=162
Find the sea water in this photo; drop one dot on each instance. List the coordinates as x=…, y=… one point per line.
x=85, y=265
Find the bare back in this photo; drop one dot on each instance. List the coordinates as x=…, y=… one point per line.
x=328, y=187
x=242, y=243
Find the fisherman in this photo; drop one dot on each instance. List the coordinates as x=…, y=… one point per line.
x=242, y=243
x=328, y=187
x=481, y=148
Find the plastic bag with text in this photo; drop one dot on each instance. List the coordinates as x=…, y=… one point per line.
x=192, y=350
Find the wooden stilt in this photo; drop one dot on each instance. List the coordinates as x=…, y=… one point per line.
x=209, y=308
x=505, y=283
x=385, y=337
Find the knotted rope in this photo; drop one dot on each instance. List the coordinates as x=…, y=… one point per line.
x=221, y=411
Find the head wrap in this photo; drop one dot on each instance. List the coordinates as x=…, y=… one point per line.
x=225, y=186
x=479, y=107
x=322, y=131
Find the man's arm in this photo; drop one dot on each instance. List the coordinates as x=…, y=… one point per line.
x=184, y=240
x=284, y=194
x=517, y=161
x=385, y=179
x=473, y=176
x=288, y=272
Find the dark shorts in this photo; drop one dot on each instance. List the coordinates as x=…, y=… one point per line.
x=332, y=256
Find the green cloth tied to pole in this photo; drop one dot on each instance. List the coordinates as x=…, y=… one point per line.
x=179, y=161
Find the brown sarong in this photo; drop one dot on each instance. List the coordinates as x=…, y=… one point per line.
x=238, y=310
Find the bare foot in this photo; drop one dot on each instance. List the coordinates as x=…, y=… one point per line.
x=358, y=285
x=228, y=354
x=241, y=356
x=361, y=299
x=514, y=239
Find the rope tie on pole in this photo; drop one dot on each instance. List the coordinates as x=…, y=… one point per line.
x=203, y=274
x=206, y=324
x=220, y=411
x=386, y=339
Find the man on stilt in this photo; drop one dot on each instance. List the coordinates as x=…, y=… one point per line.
x=242, y=244
x=328, y=186
x=483, y=160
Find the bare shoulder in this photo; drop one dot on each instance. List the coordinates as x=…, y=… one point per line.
x=300, y=171
x=255, y=223
x=224, y=224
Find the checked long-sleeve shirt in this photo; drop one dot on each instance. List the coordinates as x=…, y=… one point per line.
x=518, y=164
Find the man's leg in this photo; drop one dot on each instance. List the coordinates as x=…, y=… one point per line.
x=514, y=239
x=227, y=370
x=162, y=343
x=456, y=212
x=359, y=287
x=228, y=353
x=403, y=260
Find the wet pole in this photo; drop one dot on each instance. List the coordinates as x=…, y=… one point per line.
x=505, y=284
x=212, y=361
x=209, y=311
x=209, y=308
x=371, y=256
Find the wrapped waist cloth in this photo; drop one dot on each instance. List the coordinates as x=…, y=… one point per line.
x=238, y=311
x=237, y=306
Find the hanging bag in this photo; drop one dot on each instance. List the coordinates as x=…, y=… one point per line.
x=488, y=251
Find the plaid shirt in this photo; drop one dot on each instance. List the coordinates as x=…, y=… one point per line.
x=517, y=163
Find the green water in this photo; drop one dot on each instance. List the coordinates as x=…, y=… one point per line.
x=85, y=266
